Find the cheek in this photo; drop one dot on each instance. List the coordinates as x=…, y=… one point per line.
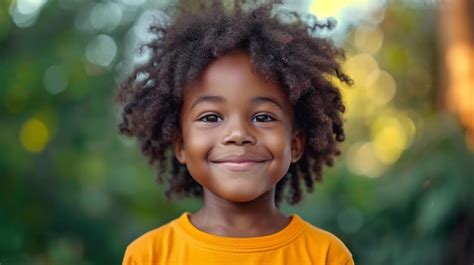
x=196, y=149
x=197, y=146
x=279, y=143
x=198, y=141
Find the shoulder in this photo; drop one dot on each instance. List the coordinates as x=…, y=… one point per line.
x=152, y=237
x=143, y=249
x=336, y=251
x=326, y=237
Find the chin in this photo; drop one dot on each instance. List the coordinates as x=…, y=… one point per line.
x=240, y=197
x=246, y=199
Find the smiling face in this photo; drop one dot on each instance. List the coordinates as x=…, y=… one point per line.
x=237, y=137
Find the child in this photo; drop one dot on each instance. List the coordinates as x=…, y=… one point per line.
x=243, y=100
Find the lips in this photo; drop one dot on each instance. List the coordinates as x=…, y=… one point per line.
x=239, y=158
x=242, y=162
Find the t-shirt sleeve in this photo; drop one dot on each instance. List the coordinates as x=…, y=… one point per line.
x=349, y=262
x=127, y=258
x=339, y=254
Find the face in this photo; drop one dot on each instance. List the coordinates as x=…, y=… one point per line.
x=237, y=137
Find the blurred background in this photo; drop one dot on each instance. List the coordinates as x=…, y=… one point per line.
x=72, y=191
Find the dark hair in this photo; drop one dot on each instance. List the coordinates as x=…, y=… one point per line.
x=282, y=46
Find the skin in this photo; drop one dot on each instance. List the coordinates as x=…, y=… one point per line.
x=237, y=140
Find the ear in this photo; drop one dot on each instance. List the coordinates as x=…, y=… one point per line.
x=297, y=145
x=178, y=149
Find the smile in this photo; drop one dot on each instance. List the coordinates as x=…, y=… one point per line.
x=239, y=166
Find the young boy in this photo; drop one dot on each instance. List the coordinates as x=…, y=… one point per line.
x=243, y=100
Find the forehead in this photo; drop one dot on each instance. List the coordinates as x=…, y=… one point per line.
x=233, y=76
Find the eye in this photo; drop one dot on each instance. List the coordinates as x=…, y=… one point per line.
x=263, y=118
x=210, y=118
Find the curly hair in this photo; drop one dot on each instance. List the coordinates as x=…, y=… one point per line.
x=282, y=47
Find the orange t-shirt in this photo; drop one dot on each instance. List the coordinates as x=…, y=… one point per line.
x=180, y=242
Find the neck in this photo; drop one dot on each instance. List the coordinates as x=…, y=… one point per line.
x=240, y=219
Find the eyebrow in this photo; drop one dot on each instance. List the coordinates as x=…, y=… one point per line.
x=260, y=100
x=218, y=99
x=212, y=99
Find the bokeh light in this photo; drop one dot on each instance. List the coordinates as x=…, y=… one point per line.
x=333, y=8
x=389, y=138
x=28, y=7
x=380, y=87
x=55, y=79
x=362, y=160
x=101, y=50
x=368, y=38
x=25, y=12
x=34, y=135
x=105, y=16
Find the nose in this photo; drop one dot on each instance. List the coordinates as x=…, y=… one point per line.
x=238, y=132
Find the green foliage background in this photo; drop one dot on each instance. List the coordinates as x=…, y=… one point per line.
x=89, y=192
